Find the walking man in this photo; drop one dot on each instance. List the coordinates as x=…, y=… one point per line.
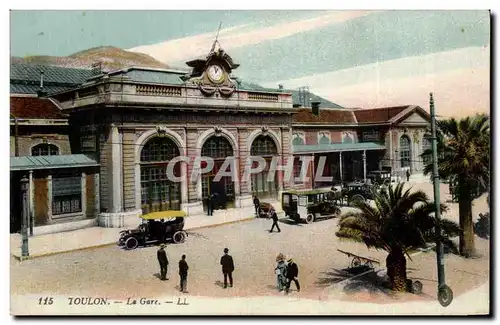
x=209, y=205
x=408, y=175
x=256, y=203
x=292, y=273
x=163, y=260
x=227, y=267
x=183, y=272
x=274, y=215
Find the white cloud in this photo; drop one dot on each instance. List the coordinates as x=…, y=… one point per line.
x=459, y=79
x=191, y=47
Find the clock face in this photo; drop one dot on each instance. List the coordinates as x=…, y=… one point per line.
x=215, y=73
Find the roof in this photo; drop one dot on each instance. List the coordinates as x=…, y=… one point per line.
x=308, y=192
x=312, y=98
x=317, y=148
x=25, y=78
x=51, y=162
x=163, y=215
x=51, y=74
x=159, y=76
x=378, y=115
x=250, y=86
x=326, y=116
x=34, y=108
x=33, y=89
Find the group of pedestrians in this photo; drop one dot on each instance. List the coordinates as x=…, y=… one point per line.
x=286, y=272
x=226, y=262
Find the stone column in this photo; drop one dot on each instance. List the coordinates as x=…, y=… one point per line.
x=84, y=194
x=114, y=218
x=49, y=197
x=97, y=204
x=116, y=171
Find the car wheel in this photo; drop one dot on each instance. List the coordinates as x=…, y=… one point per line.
x=445, y=295
x=179, y=237
x=309, y=219
x=416, y=287
x=131, y=243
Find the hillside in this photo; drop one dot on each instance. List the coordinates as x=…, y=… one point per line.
x=112, y=58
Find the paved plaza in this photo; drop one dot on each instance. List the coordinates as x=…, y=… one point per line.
x=118, y=274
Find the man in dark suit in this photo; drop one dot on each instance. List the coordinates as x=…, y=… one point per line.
x=256, y=203
x=227, y=267
x=292, y=272
x=274, y=215
x=163, y=260
x=183, y=272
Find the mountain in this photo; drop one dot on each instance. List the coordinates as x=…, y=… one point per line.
x=112, y=58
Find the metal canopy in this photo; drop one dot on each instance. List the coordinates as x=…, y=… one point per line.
x=51, y=162
x=337, y=147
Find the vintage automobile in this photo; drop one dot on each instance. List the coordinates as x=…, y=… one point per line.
x=358, y=191
x=309, y=206
x=379, y=177
x=156, y=227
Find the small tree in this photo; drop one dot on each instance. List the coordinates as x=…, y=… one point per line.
x=398, y=220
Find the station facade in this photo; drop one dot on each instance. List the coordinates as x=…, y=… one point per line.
x=131, y=123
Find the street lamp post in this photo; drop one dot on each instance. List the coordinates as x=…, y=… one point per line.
x=24, y=217
x=445, y=295
x=396, y=167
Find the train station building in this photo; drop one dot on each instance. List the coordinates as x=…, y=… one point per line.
x=124, y=127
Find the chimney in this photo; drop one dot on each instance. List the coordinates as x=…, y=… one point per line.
x=315, y=108
x=96, y=68
x=41, y=92
x=280, y=87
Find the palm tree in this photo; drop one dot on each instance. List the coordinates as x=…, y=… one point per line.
x=398, y=221
x=464, y=158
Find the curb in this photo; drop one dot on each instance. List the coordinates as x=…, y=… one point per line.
x=35, y=256
x=222, y=224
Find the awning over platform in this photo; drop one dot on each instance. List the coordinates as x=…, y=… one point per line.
x=51, y=162
x=337, y=147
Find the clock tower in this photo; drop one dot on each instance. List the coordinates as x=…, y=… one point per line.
x=212, y=74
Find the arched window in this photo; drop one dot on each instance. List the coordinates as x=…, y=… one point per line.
x=426, y=145
x=324, y=139
x=158, y=192
x=45, y=149
x=264, y=147
x=297, y=140
x=405, y=151
x=217, y=148
x=347, y=138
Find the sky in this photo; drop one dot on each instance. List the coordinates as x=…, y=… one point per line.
x=354, y=58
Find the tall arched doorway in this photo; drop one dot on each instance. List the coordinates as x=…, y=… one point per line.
x=158, y=192
x=405, y=151
x=264, y=147
x=217, y=148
